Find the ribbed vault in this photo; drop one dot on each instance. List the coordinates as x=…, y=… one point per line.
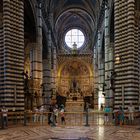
x=69, y=14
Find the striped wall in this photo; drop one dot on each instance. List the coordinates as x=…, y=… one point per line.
x=1, y=55
x=12, y=54
x=126, y=48
x=137, y=36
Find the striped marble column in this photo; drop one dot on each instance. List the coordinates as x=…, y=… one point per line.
x=47, y=73
x=37, y=49
x=54, y=72
x=12, y=55
x=49, y=64
x=36, y=57
x=108, y=59
x=101, y=73
x=95, y=68
x=47, y=78
x=126, y=50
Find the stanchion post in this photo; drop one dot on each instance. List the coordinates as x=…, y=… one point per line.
x=2, y=122
x=53, y=120
x=25, y=118
x=87, y=107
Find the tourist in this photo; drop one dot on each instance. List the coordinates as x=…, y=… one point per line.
x=41, y=114
x=55, y=110
x=36, y=115
x=4, y=117
x=50, y=115
x=131, y=111
x=62, y=114
x=121, y=115
x=115, y=117
x=106, y=115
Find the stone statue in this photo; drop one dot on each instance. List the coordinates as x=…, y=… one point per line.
x=26, y=90
x=26, y=81
x=74, y=86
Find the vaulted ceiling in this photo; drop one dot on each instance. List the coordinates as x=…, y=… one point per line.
x=67, y=14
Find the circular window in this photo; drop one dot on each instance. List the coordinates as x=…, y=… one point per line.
x=74, y=38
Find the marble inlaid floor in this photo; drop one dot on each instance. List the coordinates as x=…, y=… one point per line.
x=71, y=133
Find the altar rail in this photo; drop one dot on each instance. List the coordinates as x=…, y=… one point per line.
x=71, y=119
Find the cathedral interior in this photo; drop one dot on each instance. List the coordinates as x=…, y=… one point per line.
x=70, y=53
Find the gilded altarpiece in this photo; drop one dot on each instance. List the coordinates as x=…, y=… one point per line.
x=75, y=79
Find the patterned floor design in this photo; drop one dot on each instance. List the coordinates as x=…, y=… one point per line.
x=71, y=133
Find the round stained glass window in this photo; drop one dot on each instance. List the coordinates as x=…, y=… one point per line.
x=74, y=37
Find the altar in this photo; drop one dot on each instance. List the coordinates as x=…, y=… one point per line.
x=74, y=106
x=75, y=80
x=74, y=102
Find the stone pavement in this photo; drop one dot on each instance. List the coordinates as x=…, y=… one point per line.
x=71, y=133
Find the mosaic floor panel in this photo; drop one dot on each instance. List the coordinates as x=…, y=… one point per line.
x=71, y=133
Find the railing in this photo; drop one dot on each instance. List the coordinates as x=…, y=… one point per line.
x=71, y=119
